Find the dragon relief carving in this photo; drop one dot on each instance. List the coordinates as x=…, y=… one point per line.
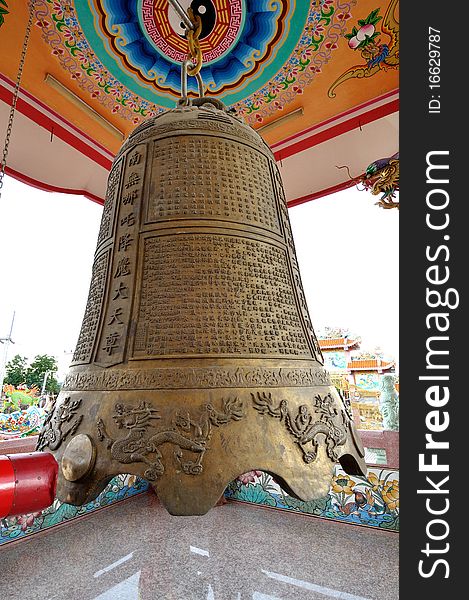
x=186, y=432
x=55, y=430
x=305, y=427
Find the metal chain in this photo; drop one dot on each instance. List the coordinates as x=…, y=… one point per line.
x=193, y=64
x=195, y=51
x=15, y=96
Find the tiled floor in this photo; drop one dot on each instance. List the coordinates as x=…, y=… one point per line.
x=137, y=551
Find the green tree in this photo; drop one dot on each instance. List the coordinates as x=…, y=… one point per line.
x=15, y=370
x=36, y=371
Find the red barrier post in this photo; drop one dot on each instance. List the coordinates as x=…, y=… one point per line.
x=27, y=482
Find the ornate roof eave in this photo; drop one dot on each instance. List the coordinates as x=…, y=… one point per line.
x=384, y=366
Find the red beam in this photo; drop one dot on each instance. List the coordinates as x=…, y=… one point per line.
x=40, y=185
x=53, y=126
x=339, y=129
x=332, y=190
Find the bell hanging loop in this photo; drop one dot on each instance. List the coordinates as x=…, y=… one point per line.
x=185, y=100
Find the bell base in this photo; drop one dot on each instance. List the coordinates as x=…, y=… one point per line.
x=189, y=445
x=180, y=498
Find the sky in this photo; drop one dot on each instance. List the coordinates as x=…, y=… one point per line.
x=347, y=250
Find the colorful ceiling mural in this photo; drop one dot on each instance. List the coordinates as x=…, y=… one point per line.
x=303, y=72
x=257, y=56
x=375, y=53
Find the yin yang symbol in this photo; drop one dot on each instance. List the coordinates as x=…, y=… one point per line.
x=205, y=9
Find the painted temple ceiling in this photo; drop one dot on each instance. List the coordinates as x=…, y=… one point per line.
x=318, y=79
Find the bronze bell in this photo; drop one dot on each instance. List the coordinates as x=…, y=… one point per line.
x=197, y=360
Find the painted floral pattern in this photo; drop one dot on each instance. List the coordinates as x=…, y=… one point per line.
x=366, y=38
x=371, y=500
x=326, y=24
x=249, y=477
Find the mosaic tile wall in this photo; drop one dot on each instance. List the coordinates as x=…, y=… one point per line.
x=120, y=488
x=21, y=423
x=372, y=501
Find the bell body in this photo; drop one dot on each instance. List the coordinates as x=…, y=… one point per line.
x=197, y=360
